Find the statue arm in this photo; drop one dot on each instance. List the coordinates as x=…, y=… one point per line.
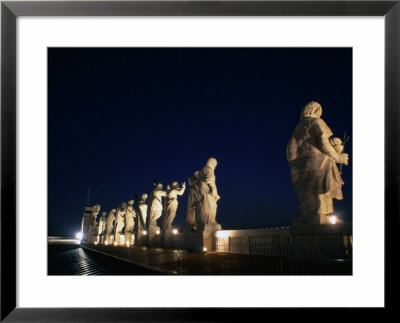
x=182, y=190
x=210, y=180
x=328, y=149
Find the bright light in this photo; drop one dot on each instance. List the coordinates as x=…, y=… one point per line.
x=115, y=243
x=222, y=234
x=79, y=235
x=332, y=219
x=95, y=243
x=158, y=232
x=128, y=244
x=106, y=243
x=144, y=233
x=175, y=231
x=205, y=249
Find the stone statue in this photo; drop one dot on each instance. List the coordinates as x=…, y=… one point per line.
x=312, y=157
x=171, y=204
x=193, y=200
x=120, y=219
x=130, y=216
x=110, y=221
x=207, y=204
x=102, y=224
x=143, y=208
x=95, y=212
x=155, y=204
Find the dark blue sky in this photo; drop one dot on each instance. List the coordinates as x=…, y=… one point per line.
x=118, y=118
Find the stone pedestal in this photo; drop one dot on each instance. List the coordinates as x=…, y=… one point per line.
x=129, y=237
x=322, y=241
x=196, y=240
x=153, y=236
x=141, y=238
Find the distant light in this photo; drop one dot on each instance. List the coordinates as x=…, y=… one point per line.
x=158, y=232
x=115, y=243
x=128, y=244
x=175, y=231
x=106, y=243
x=95, y=242
x=205, y=249
x=144, y=233
x=332, y=219
x=79, y=235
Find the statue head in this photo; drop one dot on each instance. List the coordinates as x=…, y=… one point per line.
x=159, y=186
x=122, y=206
x=144, y=197
x=113, y=211
x=311, y=110
x=212, y=162
x=174, y=185
x=96, y=209
x=130, y=202
x=196, y=174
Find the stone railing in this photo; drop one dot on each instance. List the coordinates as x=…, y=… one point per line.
x=268, y=242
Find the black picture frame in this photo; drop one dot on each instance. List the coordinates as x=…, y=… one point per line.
x=10, y=10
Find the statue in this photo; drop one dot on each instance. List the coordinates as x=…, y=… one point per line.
x=95, y=212
x=171, y=204
x=130, y=216
x=102, y=224
x=207, y=203
x=143, y=208
x=120, y=220
x=110, y=221
x=193, y=200
x=312, y=157
x=155, y=205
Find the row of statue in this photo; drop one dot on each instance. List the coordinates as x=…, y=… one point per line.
x=312, y=153
x=202, y=206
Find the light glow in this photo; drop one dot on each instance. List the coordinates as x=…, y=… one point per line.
x=332, y=219
x=128, y=244
x=205, y=249
x=144, y=233
x=175, y=231
x=222, y=234
x=106, y=243
x=157, y=232
x=79, y=235
x=115, y=243
x=95, y=243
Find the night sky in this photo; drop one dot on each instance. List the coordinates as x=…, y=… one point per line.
x=119, y=117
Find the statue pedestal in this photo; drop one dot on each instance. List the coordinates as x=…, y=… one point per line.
x=322, y=241
x=153, y=236
x=141, y=238
x=129, y=237
x=197, y=240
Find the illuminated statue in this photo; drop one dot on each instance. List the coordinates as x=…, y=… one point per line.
x=95, y=212
x=130, y=216
x=171, y=204
x=155, y=204
x=120, y=219
x=312, y=157
x=110, y=221
x=194, y=198
x=143, y=208
x=207, y=203
x=102, y=224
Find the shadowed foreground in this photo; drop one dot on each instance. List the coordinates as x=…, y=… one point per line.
x=66, y=257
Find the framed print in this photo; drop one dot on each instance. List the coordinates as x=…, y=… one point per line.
x=100, y=99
